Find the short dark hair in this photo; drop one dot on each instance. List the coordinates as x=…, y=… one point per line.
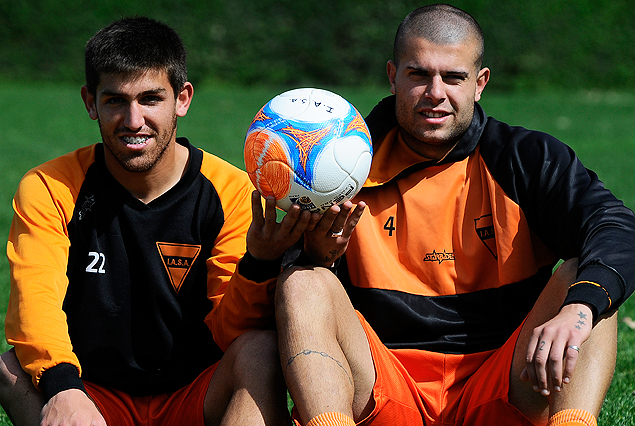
x=136, y=44
x=441, y=24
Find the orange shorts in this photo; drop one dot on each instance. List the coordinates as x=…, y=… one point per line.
x=183, y=407
x=415, y=387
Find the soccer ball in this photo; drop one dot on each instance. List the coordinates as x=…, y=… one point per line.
x=309, y=147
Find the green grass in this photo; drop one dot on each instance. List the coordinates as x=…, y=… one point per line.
x=41, y=122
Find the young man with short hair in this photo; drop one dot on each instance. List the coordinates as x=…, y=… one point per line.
x=444, y=309
x=133, y=300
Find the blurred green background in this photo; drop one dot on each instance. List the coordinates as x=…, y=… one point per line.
x=529, y=44
x=563, y=67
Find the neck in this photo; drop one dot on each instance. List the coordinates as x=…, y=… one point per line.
x=151, y=184
x=432, y=150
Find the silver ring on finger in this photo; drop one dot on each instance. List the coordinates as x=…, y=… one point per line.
x=575, y=348
x=337, y=234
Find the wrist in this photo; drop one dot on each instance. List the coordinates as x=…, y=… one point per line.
x=59, y=378
x=258, y=270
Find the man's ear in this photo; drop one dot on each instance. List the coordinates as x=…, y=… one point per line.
x=481, y=81
x=391, y=70
x=89, y=103
x=184, y=99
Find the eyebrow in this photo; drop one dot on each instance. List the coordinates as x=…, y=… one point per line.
x=464, y=74
x=156, y=91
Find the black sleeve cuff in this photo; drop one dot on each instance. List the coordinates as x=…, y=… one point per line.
x=597, y=286
x=258, y=270
x=60, y=378
x=296, y=256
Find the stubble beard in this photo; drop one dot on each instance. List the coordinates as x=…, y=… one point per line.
x=145, y=160
x=432, y=141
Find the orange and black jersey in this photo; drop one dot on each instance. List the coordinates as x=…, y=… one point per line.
x=147, y=292
x=450, y=256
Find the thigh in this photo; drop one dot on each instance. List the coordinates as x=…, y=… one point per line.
x=395, y=393
x=484, y=399
x=185, y=406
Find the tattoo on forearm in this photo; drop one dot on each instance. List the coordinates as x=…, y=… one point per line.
x=324, y=355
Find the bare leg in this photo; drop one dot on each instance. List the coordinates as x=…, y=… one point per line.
x=247, y=388
x=594, y=369
x=325, y=355
x=19, y=398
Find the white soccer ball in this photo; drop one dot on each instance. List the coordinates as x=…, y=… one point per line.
x=309, y=147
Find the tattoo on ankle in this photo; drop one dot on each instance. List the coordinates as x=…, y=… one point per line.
x=324, y=355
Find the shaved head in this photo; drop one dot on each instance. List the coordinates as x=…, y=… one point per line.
x=441, y=24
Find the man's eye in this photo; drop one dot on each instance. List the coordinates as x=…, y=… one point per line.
x=454, y=78
x=113, y=101
x=151, y=99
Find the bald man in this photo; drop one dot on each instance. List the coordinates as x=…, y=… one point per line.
x=445, y=308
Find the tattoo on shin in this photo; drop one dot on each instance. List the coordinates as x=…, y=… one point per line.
x=324, y=355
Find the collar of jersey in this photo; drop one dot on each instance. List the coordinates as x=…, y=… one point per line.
x=392, y=158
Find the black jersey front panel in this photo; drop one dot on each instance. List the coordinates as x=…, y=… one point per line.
x=137, y=294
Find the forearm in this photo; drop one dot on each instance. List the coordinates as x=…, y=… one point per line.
x=247, y=301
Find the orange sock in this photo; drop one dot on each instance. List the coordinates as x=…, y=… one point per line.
x=572, y=417
x=331, y=419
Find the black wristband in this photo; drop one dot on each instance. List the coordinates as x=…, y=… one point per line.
x=258, y=270
x=62, y=377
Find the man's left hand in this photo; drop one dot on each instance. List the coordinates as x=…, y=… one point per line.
x=554, y=348
x=328, y=239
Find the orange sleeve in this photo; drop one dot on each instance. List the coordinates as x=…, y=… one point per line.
x=38, y=255
x=240, y=304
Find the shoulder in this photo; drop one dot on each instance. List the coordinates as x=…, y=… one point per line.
x=231, y=183
x=222, y=173
x=501, y=141
x=54, y=185
x=517, y=154
x=62, y=174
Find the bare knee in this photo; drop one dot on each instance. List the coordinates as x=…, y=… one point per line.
x=11, y=373
x=305, y=288
x=18, y=396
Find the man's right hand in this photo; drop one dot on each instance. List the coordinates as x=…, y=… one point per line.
x=71, y=407
x=267, y=239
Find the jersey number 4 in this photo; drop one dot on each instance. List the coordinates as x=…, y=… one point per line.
x=390, y=225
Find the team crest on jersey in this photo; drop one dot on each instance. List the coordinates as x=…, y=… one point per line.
x=484, y=226
x=178, y=260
